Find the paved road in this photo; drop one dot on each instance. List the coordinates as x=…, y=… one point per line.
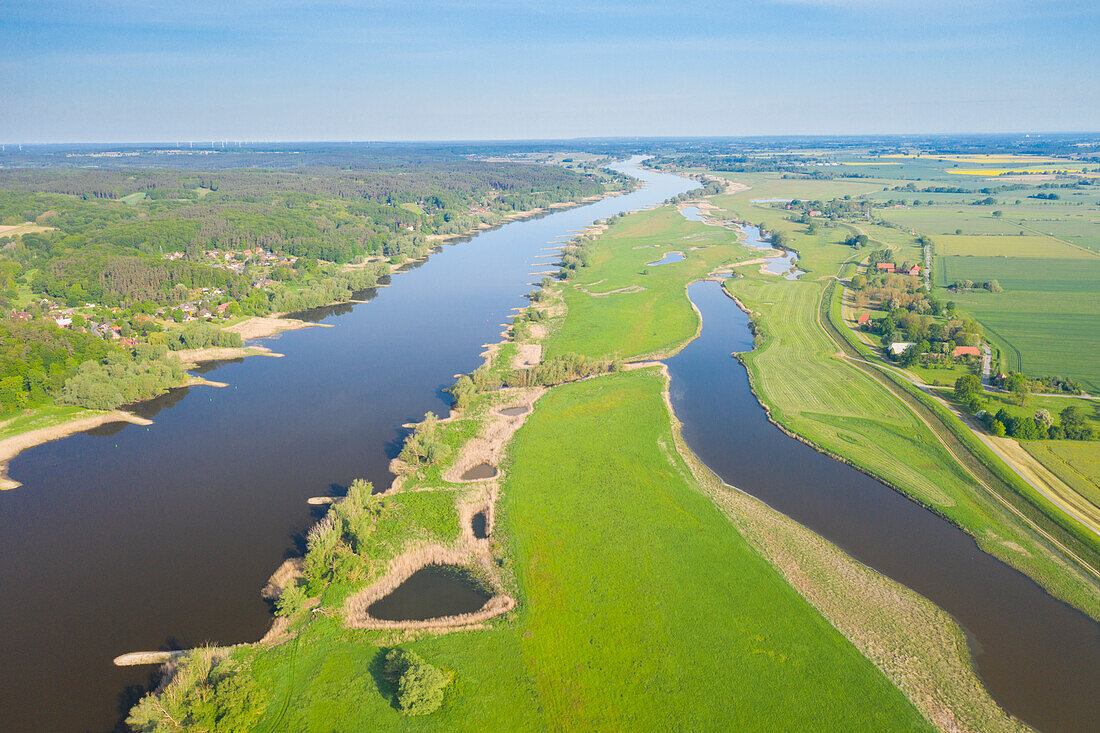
x=987, y=361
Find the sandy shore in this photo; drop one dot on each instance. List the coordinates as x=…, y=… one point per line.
x=259, y=327
x=11, y=447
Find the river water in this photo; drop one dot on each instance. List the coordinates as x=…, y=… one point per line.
x=136, y=538
x=1039, y=657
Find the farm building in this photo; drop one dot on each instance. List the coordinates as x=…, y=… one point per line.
x=899, y=347
x=863, y=319
x=885, y=266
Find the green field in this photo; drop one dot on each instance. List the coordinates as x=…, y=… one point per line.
x=719, y=652
x=1008, y=246
x=630, y=324
x=937, y=220
x=644, y=609
x=1041, y=333
x=1023, y=273
x=1077, y=463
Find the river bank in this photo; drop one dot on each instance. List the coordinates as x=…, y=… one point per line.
x=226, y=474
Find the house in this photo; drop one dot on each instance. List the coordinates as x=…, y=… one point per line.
x=22, y=316
x=914, y=270
x=222, y=307
x=863, y=319
x=898, y=347
x=885, y=266
x=966, y=351
x=63, y=321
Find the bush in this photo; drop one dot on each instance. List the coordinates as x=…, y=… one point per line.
x=419, y=686
x=424, y=445
x=291, y=600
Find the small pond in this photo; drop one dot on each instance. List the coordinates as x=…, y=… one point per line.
x=480, y=471
x=667, y=259
x=433, y=591
x=692, y=213
x=514, y=411
x=480, y=525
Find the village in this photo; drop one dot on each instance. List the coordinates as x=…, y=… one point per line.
x=136, y=323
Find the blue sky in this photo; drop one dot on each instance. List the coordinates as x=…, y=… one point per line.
x=154, y=70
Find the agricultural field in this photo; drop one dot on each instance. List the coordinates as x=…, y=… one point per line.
x=1074, y=462
x=1021, y=246
x=840, y=408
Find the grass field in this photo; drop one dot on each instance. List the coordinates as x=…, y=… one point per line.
x=22, y=421
x=1023, y=274
x=937, y=220
x=644, y=608
x=1008, y=246
x=629, y=324
x=1041, y=333
x=1077, y=463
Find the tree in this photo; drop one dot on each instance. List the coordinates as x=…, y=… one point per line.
x=967, y=386
x=419, y=685
x=291, y=600
x=1043, y=416
x=1075, y=425
x=1019, y=386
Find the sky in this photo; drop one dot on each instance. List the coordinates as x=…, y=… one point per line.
x=296, y=70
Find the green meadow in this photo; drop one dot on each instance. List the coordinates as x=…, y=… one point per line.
x=656, y=313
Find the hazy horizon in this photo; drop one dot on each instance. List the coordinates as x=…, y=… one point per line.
x=331, y=70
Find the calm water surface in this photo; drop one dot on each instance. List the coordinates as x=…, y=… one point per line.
x=1039, y=657
x=134, y=538
x=782, y=265
x=432, y=591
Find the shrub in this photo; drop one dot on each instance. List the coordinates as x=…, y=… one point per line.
x=424, y=445
x=419, y=686
x=291, y=600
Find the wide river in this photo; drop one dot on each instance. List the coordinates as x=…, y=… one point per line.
x=162, y=536
x=132, y=538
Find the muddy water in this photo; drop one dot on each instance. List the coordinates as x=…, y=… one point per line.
x=161, y=536
x=513, y=411
x=480, y=471
x=433, y=591
x=1039, y=657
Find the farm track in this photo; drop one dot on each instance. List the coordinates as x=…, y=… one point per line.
x=962, y=455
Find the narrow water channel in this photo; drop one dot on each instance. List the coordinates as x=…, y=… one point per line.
x=149, y=537
x=1039, y=657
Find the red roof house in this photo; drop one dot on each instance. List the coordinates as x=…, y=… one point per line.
x=914, y=270
x=863, y=318
x=886, y=266
x=966, y=351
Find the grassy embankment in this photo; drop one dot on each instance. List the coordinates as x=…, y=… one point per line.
x=641, y=606
x=879, y=426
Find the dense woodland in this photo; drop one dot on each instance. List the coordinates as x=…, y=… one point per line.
x=127, y=244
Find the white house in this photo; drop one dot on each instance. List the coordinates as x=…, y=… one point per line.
x=898, y=347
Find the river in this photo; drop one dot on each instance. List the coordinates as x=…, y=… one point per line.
x=136, y=538
x=1038, y=657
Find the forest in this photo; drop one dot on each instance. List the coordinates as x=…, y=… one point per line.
x=124, y=245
